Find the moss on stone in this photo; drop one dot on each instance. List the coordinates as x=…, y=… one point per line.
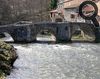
x=2, y=75
x=7, y=57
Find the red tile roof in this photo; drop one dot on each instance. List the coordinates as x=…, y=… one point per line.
x=88, y=8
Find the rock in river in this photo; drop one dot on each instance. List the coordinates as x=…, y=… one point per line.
x=7, y=58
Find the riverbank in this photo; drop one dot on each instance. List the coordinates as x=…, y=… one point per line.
x=7, y=57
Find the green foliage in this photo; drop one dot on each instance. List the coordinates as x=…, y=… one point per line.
x=53, y=4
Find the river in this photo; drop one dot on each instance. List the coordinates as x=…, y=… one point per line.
x=57, y=61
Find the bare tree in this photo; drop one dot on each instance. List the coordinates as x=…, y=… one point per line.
x=17, y=10
x=5, y=12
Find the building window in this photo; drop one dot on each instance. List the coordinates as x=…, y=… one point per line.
x=51, y=14
x=72, y=16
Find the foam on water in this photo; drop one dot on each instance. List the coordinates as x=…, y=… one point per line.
x=70, y=61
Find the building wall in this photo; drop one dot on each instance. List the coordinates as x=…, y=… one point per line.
x=55, y=17
x=69, y=10
x=69, y=14
x=98, y=4
x=72, y=3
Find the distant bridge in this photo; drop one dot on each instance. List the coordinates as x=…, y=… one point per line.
x=28, y=32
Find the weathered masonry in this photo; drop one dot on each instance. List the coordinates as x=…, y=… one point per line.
x=28, y=32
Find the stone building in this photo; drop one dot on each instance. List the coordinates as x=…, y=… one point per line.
x=68, y=10
x=98, y=18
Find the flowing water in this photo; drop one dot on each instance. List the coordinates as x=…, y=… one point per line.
x=57, y=61
x=54, y=61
